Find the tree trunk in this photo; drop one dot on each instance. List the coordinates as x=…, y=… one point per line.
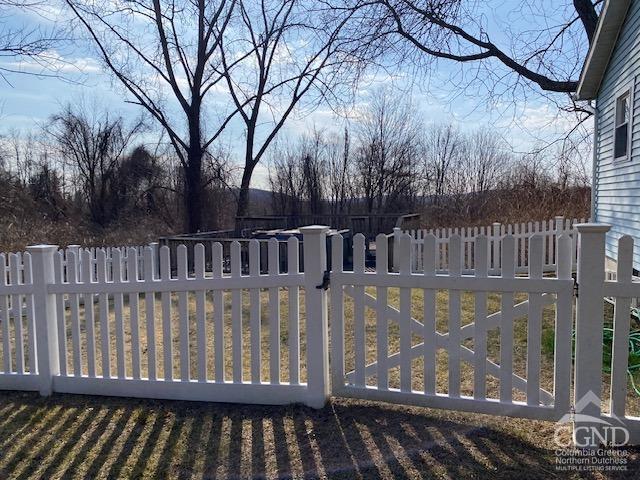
x=243, y=197
x=193, y=190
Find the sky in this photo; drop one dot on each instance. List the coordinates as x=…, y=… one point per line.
x=439, y=95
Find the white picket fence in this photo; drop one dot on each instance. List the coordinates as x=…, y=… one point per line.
x=549, y=230
x=69, y=343
x=370, y=379
x=68, y=325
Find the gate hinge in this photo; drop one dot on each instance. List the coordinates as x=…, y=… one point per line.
x=326, y=280
x=576, y=287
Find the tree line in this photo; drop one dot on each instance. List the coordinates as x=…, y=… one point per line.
x=391, y=162
x=200, y=67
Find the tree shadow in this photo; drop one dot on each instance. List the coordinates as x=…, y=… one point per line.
x=70, y=436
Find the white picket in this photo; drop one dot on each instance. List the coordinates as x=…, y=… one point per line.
x=274, y=314
x=16, y=309
x=337, y=312
x=480, y=316
x=165, y=299
x=236, y=314
x=87, y=273
x=103, y=305
x=201, y=325
x=59, y=272
x=382, y=325
x=134, y=312
x=294, y=313
x=405, y=317
x=118, y=306
x=150, y=261
x=453, y=348
x=218, y=315
x=534, y=322
x=621, y=325
x=183, y=314
x=255, y=314
x=506, y=321
x=429, y=320
x=359, y=330
x=7, y=366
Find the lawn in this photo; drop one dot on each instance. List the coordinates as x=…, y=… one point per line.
x=67, y=436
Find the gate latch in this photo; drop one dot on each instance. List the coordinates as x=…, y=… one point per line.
x=326, y=280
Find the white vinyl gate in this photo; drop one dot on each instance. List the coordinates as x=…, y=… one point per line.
x=376, y=324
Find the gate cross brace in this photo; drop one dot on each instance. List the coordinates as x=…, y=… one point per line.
x=493, y=368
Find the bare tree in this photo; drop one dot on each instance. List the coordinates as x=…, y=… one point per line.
x=547, y=50
x=293, y=56
x=387, y=158
x=442, y=149
x=155, y=45
x=94, y=146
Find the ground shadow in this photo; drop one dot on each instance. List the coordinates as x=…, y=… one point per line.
x=67, y=436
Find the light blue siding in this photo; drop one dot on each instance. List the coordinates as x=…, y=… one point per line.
x=617, y=185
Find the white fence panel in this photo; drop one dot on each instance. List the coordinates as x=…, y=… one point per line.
x=98, y=346
x=549, y=230
x=363, y=371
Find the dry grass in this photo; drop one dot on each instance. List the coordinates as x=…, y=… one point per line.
x=88, y=437
x=68, y=436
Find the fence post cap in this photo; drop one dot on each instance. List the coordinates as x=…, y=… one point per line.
x=497, y=223
x=314, y=229
x=42, y=248
x=593, y=227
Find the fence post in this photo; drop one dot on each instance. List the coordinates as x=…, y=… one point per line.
x=588, y=335
x=397, y=233
x=44, y=306
x=314, y=239
x=496, y=240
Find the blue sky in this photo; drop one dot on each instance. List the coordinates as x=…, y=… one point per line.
x=524, y=123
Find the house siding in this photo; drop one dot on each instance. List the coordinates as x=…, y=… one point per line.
x=616, y=186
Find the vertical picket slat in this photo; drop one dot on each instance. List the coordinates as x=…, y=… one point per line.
x=74, y=307
x=621, y=325
x=183, y=313
x=103, y=304
x=201, y=325
x=534, y=322
x=134, y=312
x=480, y=314
x=16, y=310
x=118, y=304
x=506, y=321
x=274, y=314
x=150, y=261
x=61, y=315
x=218, y=315
x=236, y=315
x=30, y=315
x=165, y=299
x=429, y=320
x=87, y=273
x=405, y=317
x=454, y=319
x=382, y=323
x=7, y=366
x=337, y=311
x=255, y=314
x=294, y=314
x=564, y=324
x=359, y=332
